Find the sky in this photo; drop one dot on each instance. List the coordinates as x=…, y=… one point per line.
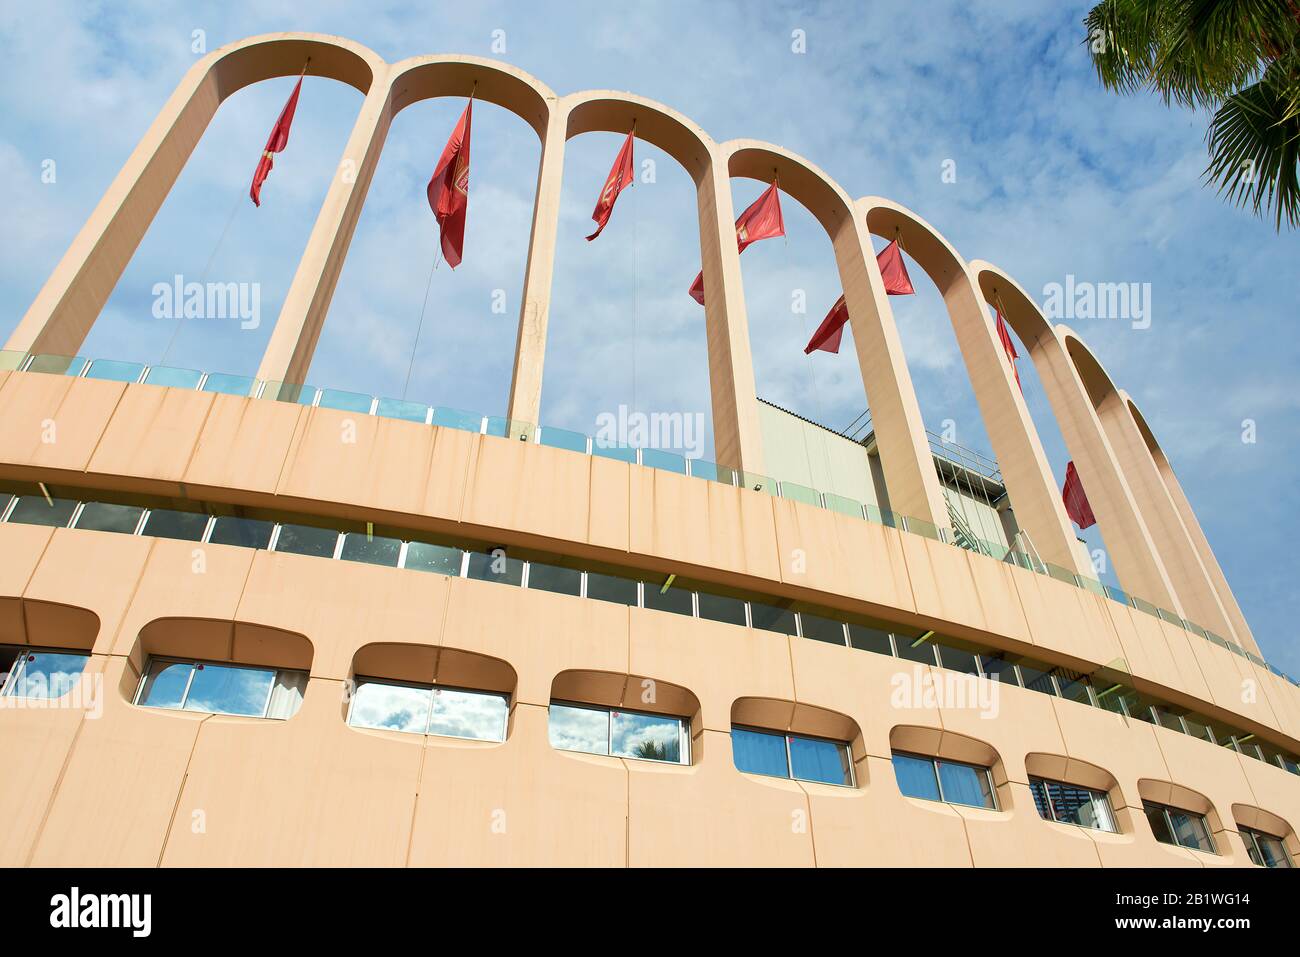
x=1053, y=177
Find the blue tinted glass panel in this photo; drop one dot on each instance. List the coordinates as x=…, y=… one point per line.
x=579, y=729
x=495, y=567
x=57, y=365
x=371, y=549
x=245, y=532
x=615, y=452
x=345, y=401
x=176, y=378
x=563, y=439
x=185, y=526
x=659, y=459
x=427, y=557
x=651, y=737
x=228, y=384
x=458, y=419
x=916, y=777
x=468, y=714
x=963, y=784
x=47, y=674
x=34, y=510
x=114, y=371
x=812, y=759
x=106, y=517
x=221, y=689
x=164, y=685
x=307, y=540
x=759, y=753
x=400, y=409
x=388, y=707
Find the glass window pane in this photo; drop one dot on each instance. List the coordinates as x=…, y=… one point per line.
x=554, y=578
x=771, y=618
x=963, y=784
x=722, y=608
x=426, y=557
x=922, y=653
x=105, y=517
x=228, y=384
x=496, y=566
x=622, y=591
x=468, y=714
x=916, y=777
x=756, y=752
x=579, y=729
x=5, y=499
x=1038, y=788
x=401, y=409
x=223, y=689
x=184, y=526
x=34, y=510
x=1190, y=830
x=245, y=532
x=675, y=599
x=164, y=683
x=870, y=639
x=958, y=659
x=563, y=439
x=1073, y=687
x=371, y=549
x=1159, y=825
x=1272, y=852
x=390, y=707
x=307, y=540
x=176, y=378
x=814, y=759
x=345, y=401
x=1037, y=679
x=458, y=419
x=650, y=736
x=1197, y=727
x=821, y=629
x=1076, y=805
x=114, y=370
x=998, y=668
x=47, y=674
x=1168, y=719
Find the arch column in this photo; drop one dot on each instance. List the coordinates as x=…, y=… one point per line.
x=737, y=440
x=1028, y=479
x=525, y=401
x=72, y=298
x=1138, y=564
x=1197, y=597
x=1237, y=626
x=293, y=339
x=905, y=456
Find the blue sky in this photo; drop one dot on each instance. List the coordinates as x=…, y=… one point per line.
x=1054, y=177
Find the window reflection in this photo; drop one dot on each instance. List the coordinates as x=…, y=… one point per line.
x=794, y=756
x=219, y=688
x=428, y=709
x=1072, y=804
x=619, y=733
x=35, y=673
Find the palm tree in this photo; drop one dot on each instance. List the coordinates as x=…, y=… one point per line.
x=1240, y=58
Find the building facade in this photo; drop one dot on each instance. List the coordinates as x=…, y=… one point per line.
x=251, y=622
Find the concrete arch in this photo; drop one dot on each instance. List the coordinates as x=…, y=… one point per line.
x=887, y=385
x=610, y=111
x=293, y=341
x=1193, y=594
x=1137, y=560
x=1237, y=625
x=1011, y=431
x=74, y=295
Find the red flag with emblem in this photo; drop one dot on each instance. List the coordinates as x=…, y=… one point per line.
x=897, y=283
x=894, y=271
x=1009, y=347
x=762, y=220
x=1076, y=503
x=448, y=190
x=275, y=143
x=620, y=177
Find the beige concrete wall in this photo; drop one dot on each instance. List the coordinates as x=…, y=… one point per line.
x=136, y=786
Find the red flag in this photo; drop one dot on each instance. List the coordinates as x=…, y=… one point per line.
x=828, y=334
x=1009, y=348
x=1076, y=503
x=620, y=176
x=894, y=271
x=831, y=331
x=448, y=190
x=275, y=143
x=762, y=220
